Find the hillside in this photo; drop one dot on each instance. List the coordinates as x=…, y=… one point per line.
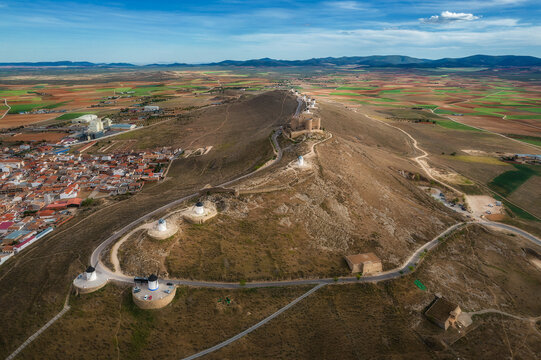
x=37, y=281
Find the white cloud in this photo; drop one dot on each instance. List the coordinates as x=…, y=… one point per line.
x=448, y=17
x=345, y=5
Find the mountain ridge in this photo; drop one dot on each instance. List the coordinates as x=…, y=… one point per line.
x=386, y=61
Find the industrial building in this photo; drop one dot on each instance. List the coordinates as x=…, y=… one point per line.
x=151, y=108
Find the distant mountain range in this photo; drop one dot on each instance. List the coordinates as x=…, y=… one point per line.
x=361, y=61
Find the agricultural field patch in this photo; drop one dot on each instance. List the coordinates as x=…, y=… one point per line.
x=479, y=159
x=511, y=180
x=72, y=116
x=17, y=108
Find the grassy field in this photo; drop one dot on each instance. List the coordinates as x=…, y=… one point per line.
x=528, y=139
x=511, y=180
x=479, y=159
x=355, y=88
x=72, y=116
x=109, y=324
x=16, y=108
x=13, y=92
x=64, y=254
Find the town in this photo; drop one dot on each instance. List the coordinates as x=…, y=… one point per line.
x=42, y=186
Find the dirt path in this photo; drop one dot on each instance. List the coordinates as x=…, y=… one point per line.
x=9, y=108
x=421, y=160
x=114, y=251
x=532, y=319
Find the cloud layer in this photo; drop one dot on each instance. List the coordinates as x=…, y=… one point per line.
x=447, y=17
x=288, y=29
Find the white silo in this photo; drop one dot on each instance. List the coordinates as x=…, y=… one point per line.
x=300, y=161
x=199, y=208
x=90, y=274
x=153, y=283
x=162, y=225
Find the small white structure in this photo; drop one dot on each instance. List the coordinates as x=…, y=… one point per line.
x=150, y=108
x=162, y=225
x=162, y=229
x=199, y=208
x=300, y=161
x=153, y=283
x=200, y=213
x=89, y=281
x=90, y=274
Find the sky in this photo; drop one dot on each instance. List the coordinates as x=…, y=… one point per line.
x=143, y=32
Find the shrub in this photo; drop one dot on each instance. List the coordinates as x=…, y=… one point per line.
x=87, y=202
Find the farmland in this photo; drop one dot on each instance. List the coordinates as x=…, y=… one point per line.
x=362, y=194
x=511, y=180
x=68, y=101
x=463, y=100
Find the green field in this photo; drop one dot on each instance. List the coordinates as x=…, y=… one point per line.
x=240, y=83
x=355, y=88
x=72, y=116
x=55, y=105
x=511, y=180
x=17, y=108
x=345, y=94
x=478, y=159
x=524, y=117
x=393, y=91
x=425, y=106
x=528, y=139
x=535, y=110
x=452, y=91
x=449, y=124
x=442, y=111
x=13, y=92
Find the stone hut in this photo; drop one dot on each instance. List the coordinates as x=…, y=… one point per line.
x=365, y=264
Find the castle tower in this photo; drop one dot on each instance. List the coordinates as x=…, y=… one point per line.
x=309, y=124
x=317, y=123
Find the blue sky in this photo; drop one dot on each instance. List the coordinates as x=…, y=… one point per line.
x=203, y=31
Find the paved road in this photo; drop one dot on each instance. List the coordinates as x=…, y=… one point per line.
x=403, y=270
x=300, y=102
x=516, y=230
x=252, y=328
x=94, y=258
